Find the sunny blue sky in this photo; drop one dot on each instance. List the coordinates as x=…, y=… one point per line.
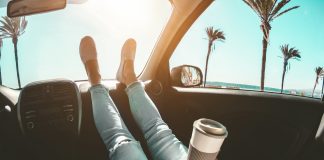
x=49, y=48
x=238, y=59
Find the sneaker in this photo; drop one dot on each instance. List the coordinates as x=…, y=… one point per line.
x=88, y=55
x=127, y=54
x=87, y=49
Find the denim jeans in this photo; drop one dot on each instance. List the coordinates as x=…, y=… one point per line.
x=120, y=143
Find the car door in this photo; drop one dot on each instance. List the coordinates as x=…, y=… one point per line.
x=261, y=124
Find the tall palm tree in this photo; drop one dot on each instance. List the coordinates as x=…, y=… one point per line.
x=318, y=71
x=288, y=53
x=267, y=11
x=213, y=35
x=1, y=43
x=13, y=28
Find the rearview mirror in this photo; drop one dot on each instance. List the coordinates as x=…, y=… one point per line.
x=18, y=8
x=186, y=76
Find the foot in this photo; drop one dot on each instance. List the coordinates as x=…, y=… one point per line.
x=125, y=73
x=88, y=54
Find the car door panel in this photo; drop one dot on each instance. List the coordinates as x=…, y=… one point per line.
x=260, y=125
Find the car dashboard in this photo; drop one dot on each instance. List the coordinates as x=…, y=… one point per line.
x=44, y=121
x=53, y=119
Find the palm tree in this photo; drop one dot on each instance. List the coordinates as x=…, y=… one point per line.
x=213, y=35
x=288, y=53
x=318, y=71
x=13, y=28
x=267, y=11
x=1, y=43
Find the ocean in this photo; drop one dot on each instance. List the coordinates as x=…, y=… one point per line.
x=299, y=92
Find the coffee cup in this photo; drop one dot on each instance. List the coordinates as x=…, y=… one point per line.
x=206, y=139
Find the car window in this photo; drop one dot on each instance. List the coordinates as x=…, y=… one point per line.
x=49, y=47
x=294, y=47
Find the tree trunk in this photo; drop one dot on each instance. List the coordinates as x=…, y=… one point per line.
x=0, y=69
x=323, y=88
x=207, y=60
x=264, y=60
x=15, y=42
x=315, y=86
x=283, y=76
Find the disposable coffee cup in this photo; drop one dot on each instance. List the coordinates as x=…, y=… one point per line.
x=206, y=139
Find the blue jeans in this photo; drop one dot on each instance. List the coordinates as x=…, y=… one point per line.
x=120, y=143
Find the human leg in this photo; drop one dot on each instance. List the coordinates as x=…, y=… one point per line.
x=160, y=140
x=118, y=140
x=162, y=143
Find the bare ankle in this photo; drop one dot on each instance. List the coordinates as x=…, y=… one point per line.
x=129, y=73
x=131, y=79
x=93, y=72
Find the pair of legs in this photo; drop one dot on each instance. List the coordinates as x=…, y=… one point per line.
x=119, y=141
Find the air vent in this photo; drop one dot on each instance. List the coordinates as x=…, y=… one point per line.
x=32, y=94
x=154, y=87
x=62, y=92
x=54, y=105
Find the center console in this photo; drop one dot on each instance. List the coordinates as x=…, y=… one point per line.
x=51, y=108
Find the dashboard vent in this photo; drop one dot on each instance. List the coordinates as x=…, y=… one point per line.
x=50, y=105
x=32, y=94
x=62, y=92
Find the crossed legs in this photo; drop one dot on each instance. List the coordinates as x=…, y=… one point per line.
x=118, y=140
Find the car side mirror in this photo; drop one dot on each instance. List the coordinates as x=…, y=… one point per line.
x=186, y=76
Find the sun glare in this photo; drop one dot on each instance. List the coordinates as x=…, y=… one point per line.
x=122, y=19
x=126, y=14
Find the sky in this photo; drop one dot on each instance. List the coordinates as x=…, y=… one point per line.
x=49, y=47
x=238, y=58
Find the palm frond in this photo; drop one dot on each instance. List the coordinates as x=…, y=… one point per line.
x=289, y=53
x=8, y=23
x=260, y=7
x=288, y=66
x=17, y=25
x=21, y=33
x=24, y=24
x=274, y=4
x=5, y=33
x=209, y=31
x=214, y=34
x=254, y=7
x=285, y=11
x=13, y=27
x=270, y=6
x=322, y=73
x=279, y=6
x=296, y=58
x=318, y=70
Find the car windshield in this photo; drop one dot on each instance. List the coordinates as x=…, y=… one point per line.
x=49, y=47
